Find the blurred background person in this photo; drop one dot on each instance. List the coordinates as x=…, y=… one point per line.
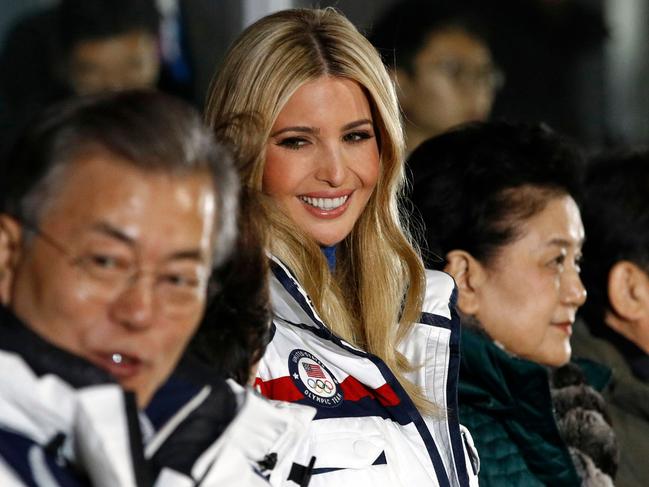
x=77, y=47
x=498, y=204
x=439, y=56
x=614, y=325
x=108, y=45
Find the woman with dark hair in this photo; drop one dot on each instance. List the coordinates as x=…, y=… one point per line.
x=499, y=204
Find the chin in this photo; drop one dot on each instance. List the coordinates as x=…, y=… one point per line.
x=557, y=360
x=328, y=240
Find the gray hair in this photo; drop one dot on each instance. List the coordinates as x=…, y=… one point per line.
x=147, y=129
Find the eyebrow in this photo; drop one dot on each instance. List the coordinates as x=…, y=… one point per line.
x=111, y=231
x=297, y=128
x=562, y=242
x=313, y=130
x=358, y=123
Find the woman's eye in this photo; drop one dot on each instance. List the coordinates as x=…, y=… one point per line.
x=579, y=260
x=293, y=142
x=558, y=262
x=358, y=136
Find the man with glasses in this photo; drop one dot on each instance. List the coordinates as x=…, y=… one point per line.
x=115, y=212
x=438, y=55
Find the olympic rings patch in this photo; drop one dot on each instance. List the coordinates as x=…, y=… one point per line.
x=313, y=379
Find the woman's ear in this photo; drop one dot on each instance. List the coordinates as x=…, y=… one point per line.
x=469, y=276
x=10, y=247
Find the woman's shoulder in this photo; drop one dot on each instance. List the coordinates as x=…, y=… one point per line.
x=440, y=294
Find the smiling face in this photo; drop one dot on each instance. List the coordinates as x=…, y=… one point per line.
x=532, y=290
x=118, y=272
x=322, y=158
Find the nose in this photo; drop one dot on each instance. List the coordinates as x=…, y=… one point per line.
x=331, y=166
x=134, y=306
x=573, y=292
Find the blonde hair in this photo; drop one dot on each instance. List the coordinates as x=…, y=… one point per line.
x=376, y=291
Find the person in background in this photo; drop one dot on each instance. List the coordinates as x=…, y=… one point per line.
x=73, y=48
x=116, y=211
x=438, y=54
x=108, y=45
x=614, y=324
x=498, y=202
x=308, y=95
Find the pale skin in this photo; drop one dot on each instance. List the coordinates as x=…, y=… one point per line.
x=527, y=298
x=322, y=158
x=118, y=216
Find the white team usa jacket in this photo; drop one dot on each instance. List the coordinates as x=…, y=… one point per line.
x=367, y=431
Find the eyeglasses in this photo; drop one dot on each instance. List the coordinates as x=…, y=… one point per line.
x=175, y=290
x=487, y=76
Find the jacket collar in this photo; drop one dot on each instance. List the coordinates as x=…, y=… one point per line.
x=44, y=357
x=493, y=380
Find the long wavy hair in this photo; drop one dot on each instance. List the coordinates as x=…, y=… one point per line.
x=375, y=293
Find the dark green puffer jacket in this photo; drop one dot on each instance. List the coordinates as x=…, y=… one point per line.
x=506, y=404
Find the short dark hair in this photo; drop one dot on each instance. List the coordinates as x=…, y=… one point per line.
x=147, y=129
x=472, y=186
x=616, y=220
x=82, y=20
x=403, y=30
x=236, y=327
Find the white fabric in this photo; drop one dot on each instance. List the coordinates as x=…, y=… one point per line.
x=97, y=437
x=352, y=444
x=260, y=428
x=92, y=418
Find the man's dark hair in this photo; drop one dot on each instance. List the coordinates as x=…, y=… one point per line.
x=616, y=220
x=83, y=20
x=236, y=325
x=403, y=30
x=474, y=185
x=146, y=129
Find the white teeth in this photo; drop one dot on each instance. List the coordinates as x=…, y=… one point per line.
x=325, y=203
x=117, y=358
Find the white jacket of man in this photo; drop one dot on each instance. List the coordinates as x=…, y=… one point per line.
x=65, y=423
x=367, y=431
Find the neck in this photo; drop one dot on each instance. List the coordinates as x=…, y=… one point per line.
x=624, y=336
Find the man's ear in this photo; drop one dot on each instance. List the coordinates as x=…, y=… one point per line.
x=10, y=248
x=628, y=291
x=469, y=276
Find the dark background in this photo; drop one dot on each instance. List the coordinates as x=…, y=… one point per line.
x=579, y=65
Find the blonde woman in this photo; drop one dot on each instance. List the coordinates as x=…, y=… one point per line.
x=360, y=330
